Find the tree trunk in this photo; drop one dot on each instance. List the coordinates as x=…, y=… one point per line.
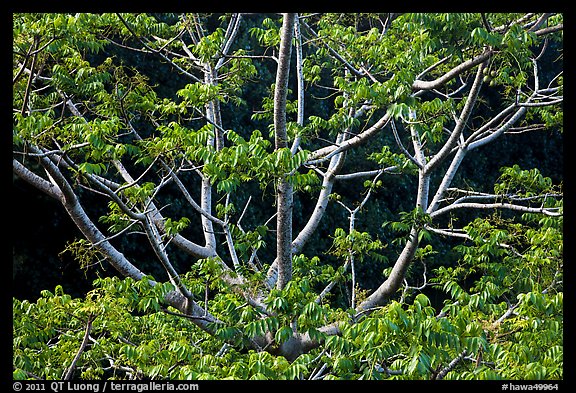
x=284, y=196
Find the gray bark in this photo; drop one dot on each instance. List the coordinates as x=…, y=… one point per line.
x=284, y=192
x=394, y=281
x=461, y=123
x=65, y=194
x=59, y=188
x=454, y=72
x=328, y=152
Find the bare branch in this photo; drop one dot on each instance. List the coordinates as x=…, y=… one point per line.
x=451, y=365
x=429, y=85
x=461, y=123
x=553, y=212
x=300, y=80
x=549, y=30
x=48, y=187
x=231, y=32
x=522, y=19
x=396, y=277
x=326, y=153
x=401, y=146
x=393, y=170
x=477, y=140
x=413, y=288
x=70, y=370
x=30, y=77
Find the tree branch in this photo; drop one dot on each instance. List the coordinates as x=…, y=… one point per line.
x=30, y=77
x=394, y=281
x=461, y=123
x=547, y=211
x=429, y=85
x=83, y=345
x=335, y=54
x=300, y=80
x=326, y=153
x=451, y=365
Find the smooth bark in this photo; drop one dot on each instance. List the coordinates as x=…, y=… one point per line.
x=284, y=197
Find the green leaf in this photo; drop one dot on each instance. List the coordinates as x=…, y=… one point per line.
x=283, y=334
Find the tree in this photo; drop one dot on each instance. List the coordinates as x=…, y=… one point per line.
x=409, y=97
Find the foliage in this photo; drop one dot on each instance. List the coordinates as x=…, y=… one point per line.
x=136, y=335
x=163, y=139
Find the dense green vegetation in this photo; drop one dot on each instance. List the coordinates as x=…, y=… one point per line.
x=280, y=196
